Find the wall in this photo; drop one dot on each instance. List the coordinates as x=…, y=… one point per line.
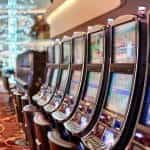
x=75, y=12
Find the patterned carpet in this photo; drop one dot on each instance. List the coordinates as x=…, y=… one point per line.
x=11, y=135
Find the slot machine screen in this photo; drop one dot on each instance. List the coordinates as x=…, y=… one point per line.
x=97, y=47
x=145, y=116
x=75, y=82
x=125, y=40
x=119, y=93
x=50, y=54
x=66, y=52
x=54, y=78
x=57, y=54
x=108, y=138
x=63, y=79
x=92, y=86
x=79, y=48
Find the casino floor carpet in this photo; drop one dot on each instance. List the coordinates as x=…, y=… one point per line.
x=11, y=135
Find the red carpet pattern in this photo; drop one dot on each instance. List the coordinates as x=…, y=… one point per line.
x=11, y=135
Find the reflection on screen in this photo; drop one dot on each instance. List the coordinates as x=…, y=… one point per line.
x=145, y=116
x=79, y=47
x=125, y=43
x=66, y=52
x=57, y=53
x=97, y=47
x=63, y=79
x=108, y=138
x=54, y=78
x=75, y=82
x=119, y=93
x=92, y=86
x=50, y=54
x=48, y=76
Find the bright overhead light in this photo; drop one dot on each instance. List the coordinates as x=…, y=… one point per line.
x=60, y=9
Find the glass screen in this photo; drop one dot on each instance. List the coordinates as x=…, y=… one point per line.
x=75, y=82
x=119, y=93
x=54, y=78
x=92, y=86
x=125, y=43
x=97, y=47
x=108, y=138
x=50, y=54
x=48, y=76
x=57, y=54
x=145, y=116
x=66, y=52
x=63, y=79
x=79, y=47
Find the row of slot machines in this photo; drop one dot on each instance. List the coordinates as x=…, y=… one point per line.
x=97, y=87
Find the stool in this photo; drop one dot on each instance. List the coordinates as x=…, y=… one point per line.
x=18, y=106
x=28, y=112
x=57, y=143
x=41, y=126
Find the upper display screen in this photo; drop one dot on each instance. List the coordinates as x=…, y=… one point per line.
x=79, y=48
x=96, y=47
x=54, y=78
x=119, y=93
x=75, y=82
x=125, y=41
x=66, y=52
x=63, y=79
x=92, y=86
x=57, y=54
x=50, y=54
x=145, y=116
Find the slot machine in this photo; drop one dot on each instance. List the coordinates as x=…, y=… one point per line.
x=45, y=86
x=94, y=87
x=65, y=74
x=125, y=84
x=141, y=137
x=55, y=77
x=73, y=93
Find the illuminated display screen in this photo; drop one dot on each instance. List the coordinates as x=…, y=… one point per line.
x=50, y=54
x=125, y=43
x=66, y=52
x=54, y=78
x=145, y=117
x=63, y=79
x=119, y=93
x=79, y=48
x=97, y=47
x=57, y=54
x=75, y=82
x=108, y=138
x=92, y=86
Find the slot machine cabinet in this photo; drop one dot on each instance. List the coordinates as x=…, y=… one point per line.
x=141, y=136
x=48, y=74
x=41, y=124
x=28, y=75
x=55, y=77
x=58, y=97
x=126, y=79
x=92, y=97
x=70, y=102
